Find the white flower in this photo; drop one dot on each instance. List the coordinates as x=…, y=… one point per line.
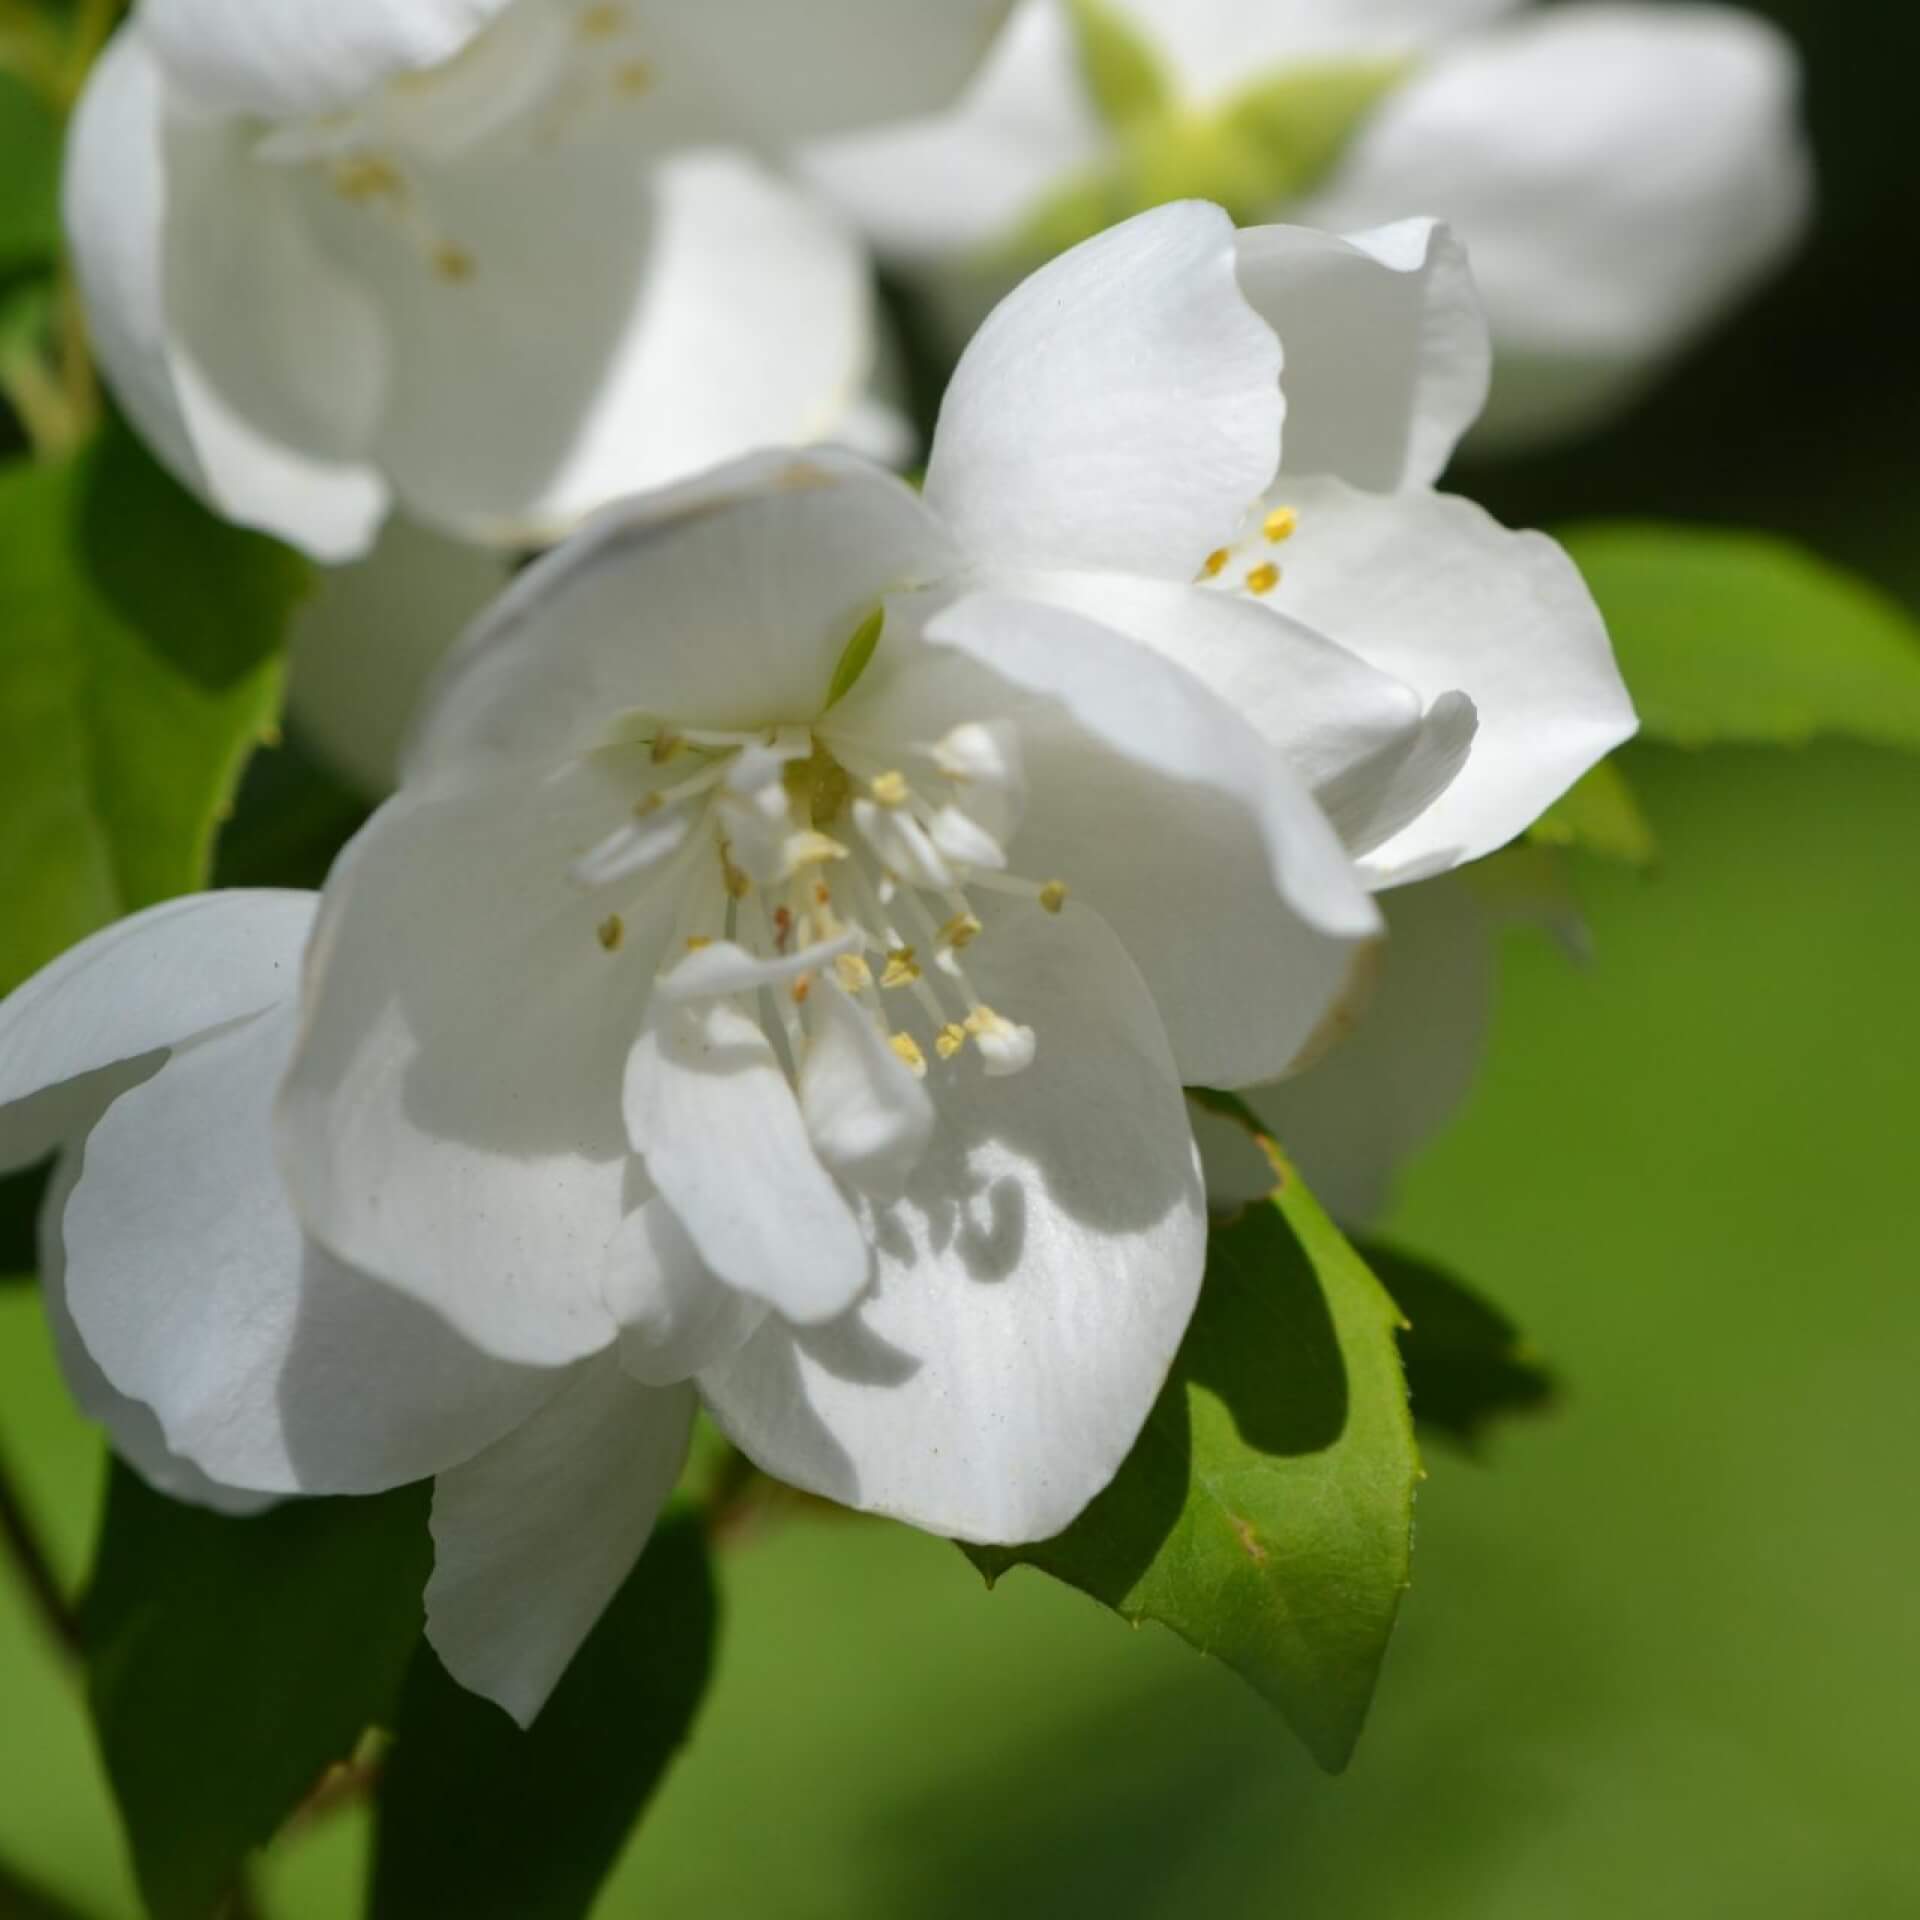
x=1621, y=173
x=781, y=964
x=488, y=258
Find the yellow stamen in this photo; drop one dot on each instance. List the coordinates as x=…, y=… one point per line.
x=1217, y=562
x=961, y=931
x=891, y=789
x=1264, y=578
x=695, y=941
x=613, y=930
x=854, y=972
x=949, y=1040
x=666, y=743
x=902, y=969
x=1053, y=896
x=364, y=177
x=634, y=78
x=737, y=884
x=1280, y=524
x=602, y=22
x=907, y=1048
x=646, y=804
x=811, y=849
x=453, y=264
x=801, y=988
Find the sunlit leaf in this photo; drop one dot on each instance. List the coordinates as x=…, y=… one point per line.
x=140, y=668
x=232, y=1662
x=1727, y=636
x=1600, y=815
x=1266, y=1513
x=29, y=177
x=481, y=1820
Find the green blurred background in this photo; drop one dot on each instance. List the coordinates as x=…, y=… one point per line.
x=1663, y=1651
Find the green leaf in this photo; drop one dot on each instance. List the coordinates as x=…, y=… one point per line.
x=1602, y=816
x=479, y=1819
x=140, y=670
x=29, y=178
x=1467, y=1364
x=20, y=1198
x=1266, y=1513
x=1124, y=74
x=20, y=1899
x=1743, y=637
x=232, y=1662
x=856, y=656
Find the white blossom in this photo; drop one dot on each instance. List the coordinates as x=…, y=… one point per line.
x=775, y=978
x=498, y=261
x=1621, y=173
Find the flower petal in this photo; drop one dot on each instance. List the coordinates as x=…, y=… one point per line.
x=682, y=314
x=1157, y=805
x=267, y=1364
x=241, y=357
x=130, y=992
x=1034, y=1283
x=1119, y=410
x=709, y=1109
x=1620, y=175
x=451, y=1121
x=1432, y=590
x=1387, y=356
x=961, y=180
x=134, y=1431
x=867, y=1115
x=365, y=646
x=785, y=72
x=675, y=1316
x=1351, y=1121
x=726, y=602
x=299, y=57
x=534, y=1537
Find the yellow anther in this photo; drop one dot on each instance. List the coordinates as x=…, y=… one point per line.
x=695, y=941
x=1280, y=524
x=811, y=849
x=633, y=78
x=453, y=264
x=1053, y=896
x=613, y=930
x=891, y=789
x=364, y=177
x=949, y=1040
x=1217, y=562
x=902, y=969
x=646, y=804
x=1264, y=578
x=602, y=22
x=981, y=1020
x=961, y=931
x=853, y=972
x=666, y=743
x=907, y=1048
x=801, y=988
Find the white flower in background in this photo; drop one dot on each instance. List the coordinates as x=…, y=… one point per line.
x=499, y=261
x=779, y=968
x=1621, y=174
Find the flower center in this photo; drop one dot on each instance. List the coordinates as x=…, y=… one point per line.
x=544, y=72
x=1249, y=565
x=807, y=865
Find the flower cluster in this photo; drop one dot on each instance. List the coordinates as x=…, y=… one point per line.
x=773, y=983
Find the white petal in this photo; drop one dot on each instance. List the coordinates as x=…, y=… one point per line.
x=533, y=1539
x=901, y=844
x=128, y=993
x=1034, y=1283
x=727, y=602
x=452, y=1119
x=1387, y=356
x=1120, y=409
x=267, y=1364
x=1219, y=46
x=676, y=318
x=1620, y=175
x=1157, y=805
x=724, y=968
x=784, y=72
x=237, y=353
x=364, y=647
x=960, y=180
x=1354, y=1119
x=135, y=1433
x=675, y=1316
x=709, y=1109
x=1430, y=589
x=867, y=1115
x=296, y=57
